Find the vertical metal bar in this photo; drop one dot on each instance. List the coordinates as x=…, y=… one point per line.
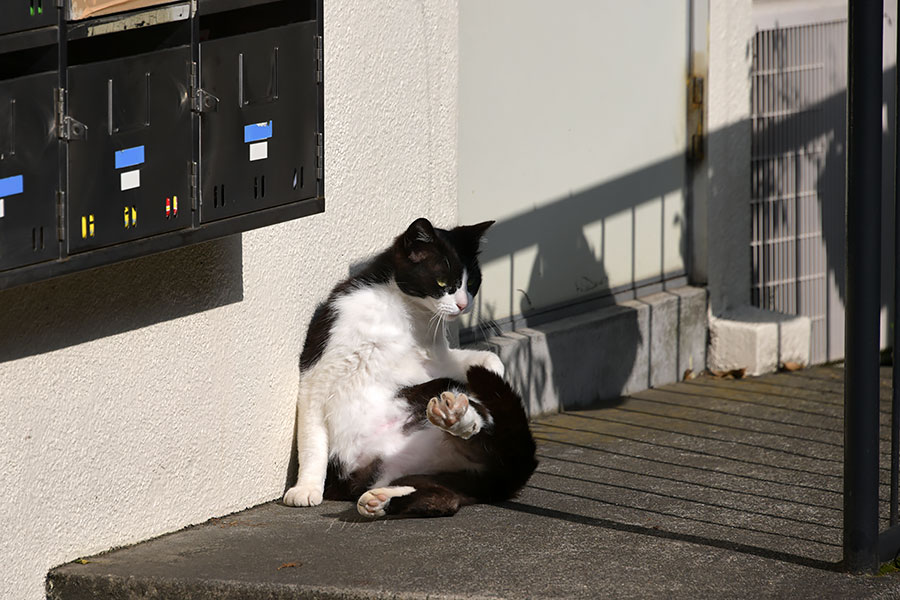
x=895, y=371
x=864, y=91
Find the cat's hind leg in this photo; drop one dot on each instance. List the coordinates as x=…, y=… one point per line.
x=374, y=503
x=415, y=496
x=455, y=414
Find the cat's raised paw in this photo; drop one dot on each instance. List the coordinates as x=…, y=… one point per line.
x=452, y=413
x=301, y=495
x=374, y=503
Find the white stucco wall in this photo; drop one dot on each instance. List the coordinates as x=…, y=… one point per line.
x=162, y=421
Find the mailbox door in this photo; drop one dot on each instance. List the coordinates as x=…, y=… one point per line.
x=20, y=15
x=258, y=147
x=29, y=171
x=129, y=178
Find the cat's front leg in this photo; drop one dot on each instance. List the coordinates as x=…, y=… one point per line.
x=464, y=359
x=312, y=453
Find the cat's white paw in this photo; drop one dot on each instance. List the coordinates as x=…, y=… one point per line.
x=303, y=495
x=452, y=413
x=492, y=362
x=374, y=503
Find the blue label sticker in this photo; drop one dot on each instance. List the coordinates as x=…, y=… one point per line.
x=256, y=132
x=10, y=186
x=129, y=157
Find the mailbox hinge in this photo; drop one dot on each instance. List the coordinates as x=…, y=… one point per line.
x=68, y=129
x=320, y=156
x=194, y=185
x=60, y=215
x=320, y=58
x=201, y=100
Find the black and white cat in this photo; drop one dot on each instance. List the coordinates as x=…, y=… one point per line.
x=387, y=412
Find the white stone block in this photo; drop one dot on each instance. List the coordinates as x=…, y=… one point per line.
x=757, y=340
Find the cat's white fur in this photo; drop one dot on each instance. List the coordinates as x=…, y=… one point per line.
x=381, y=340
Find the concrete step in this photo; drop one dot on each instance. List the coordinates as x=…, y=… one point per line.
x=686, y=491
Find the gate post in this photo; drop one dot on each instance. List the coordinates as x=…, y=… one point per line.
x=863, y=212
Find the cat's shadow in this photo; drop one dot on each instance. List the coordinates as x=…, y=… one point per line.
x=347, y=516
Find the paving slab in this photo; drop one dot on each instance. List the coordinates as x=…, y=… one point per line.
x=704, y=489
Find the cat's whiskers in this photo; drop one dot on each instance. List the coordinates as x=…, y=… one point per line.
x=436, y=320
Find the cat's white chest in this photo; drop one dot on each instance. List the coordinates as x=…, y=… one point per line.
x=376, y=347
x=376, y=336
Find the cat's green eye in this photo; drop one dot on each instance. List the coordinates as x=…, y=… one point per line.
x=441, y=283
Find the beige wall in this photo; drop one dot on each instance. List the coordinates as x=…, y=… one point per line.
x=572, y=130
x=140, y=398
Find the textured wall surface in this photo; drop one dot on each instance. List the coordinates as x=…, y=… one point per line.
x=144, y=397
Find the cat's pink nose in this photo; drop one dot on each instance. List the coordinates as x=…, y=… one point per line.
x=462, y=305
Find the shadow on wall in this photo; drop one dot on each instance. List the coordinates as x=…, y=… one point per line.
x=564, y=257
x=85, y=306
x=589, y=349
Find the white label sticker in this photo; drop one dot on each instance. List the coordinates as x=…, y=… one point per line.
x=130, y=180
x=2, y=209
x=259, y=151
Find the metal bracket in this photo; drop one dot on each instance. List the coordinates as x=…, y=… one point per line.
x=696, y=124
x=204, y=102
x=201, y=100
x=68, y=129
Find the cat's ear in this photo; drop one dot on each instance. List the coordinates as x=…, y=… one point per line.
x=469, y=236
x=420, y=230
x=418, y=235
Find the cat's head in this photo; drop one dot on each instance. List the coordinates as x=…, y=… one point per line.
x=439, y=268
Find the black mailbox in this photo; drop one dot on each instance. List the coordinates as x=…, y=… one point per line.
x=259, y=140
x=146, y=130
x=29, y=157
x=129, y=175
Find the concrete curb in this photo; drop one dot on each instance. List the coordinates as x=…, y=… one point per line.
x=584, y=360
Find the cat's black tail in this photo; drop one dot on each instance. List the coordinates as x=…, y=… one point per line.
x=507, y=447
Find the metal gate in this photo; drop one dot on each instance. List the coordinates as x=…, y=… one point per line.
x=798, y=100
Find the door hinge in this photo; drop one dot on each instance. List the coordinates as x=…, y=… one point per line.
x=320, y=156
x=320, y=59
x=194, y=185
x=68, y=129
x=696, y=125
x=201, y=100
x=60, y=215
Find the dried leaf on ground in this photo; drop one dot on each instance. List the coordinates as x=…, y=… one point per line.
x=688, y=375
x=290, y=565
x=792, y=366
